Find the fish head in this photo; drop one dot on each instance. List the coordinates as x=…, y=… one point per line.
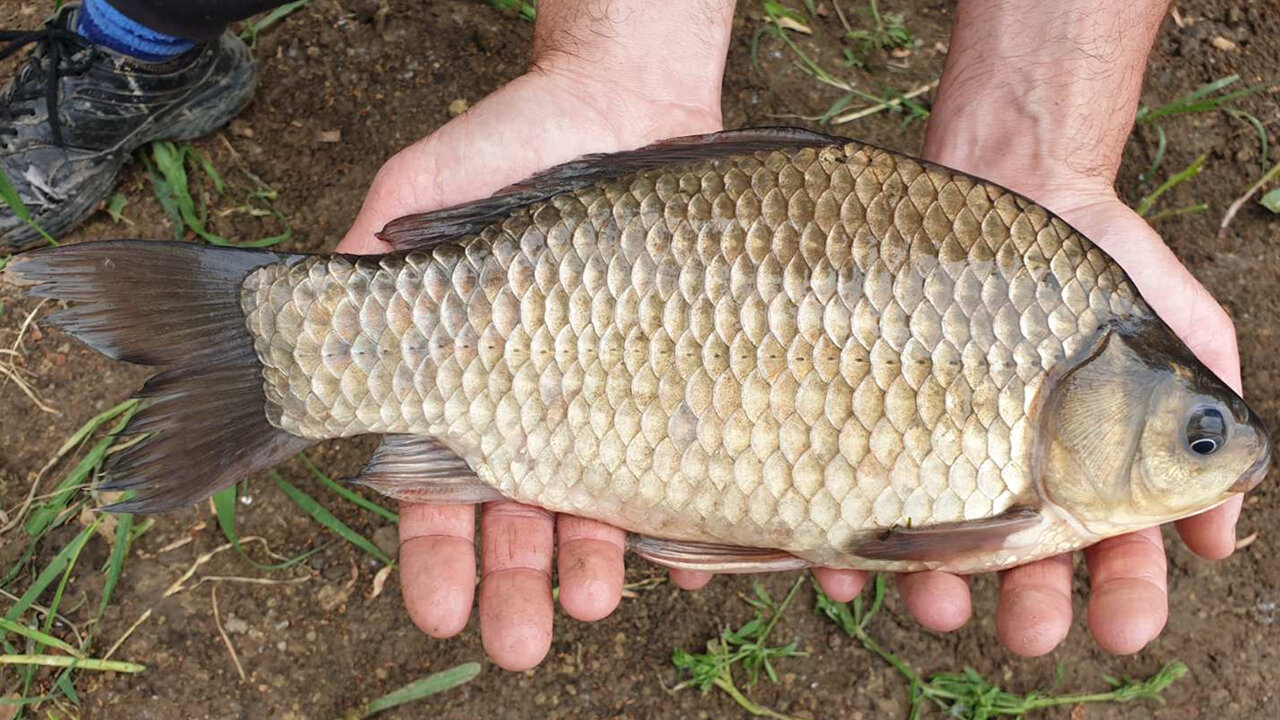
x=1140, y=432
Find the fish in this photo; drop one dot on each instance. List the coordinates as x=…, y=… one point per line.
x=753, y=350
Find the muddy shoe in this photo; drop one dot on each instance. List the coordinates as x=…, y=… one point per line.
x=75, y=111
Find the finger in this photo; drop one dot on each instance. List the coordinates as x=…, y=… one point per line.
x=1033, y=614
x=1212, y=534
x=438, y=565
x=1128, y=603
x=840, y=585
x=938, y=600
x=690, y=579
x=515, y=583
x=591, y=567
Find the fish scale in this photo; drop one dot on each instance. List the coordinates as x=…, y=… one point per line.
x=779, y=349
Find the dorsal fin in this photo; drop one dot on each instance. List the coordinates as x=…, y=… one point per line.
x=426, y=230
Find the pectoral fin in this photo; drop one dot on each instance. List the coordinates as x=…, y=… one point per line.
x=713, y=557
x=947, y=540
x=422, y=469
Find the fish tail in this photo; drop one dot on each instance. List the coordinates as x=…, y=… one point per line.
x=176, y=306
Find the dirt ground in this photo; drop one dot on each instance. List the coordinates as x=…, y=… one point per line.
x=383, y=76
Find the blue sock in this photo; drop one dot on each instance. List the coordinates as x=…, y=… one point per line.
x=102, y=24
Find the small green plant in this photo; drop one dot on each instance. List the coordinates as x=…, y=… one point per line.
x=887, y=33
x=418, y=689
x=256, y=26
x=10, y=197
x=322, y=515
x=1209, y=97
x=526, y=9
x=46, y=637
x=115, y=208
x=781, y=21
x=1148, y=202
x=176, y=169
x=967, y=695
x=746, y=647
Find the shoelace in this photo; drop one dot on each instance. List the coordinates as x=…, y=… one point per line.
x=58, y=44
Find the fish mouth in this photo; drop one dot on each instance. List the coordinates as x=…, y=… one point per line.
x=1255, y=473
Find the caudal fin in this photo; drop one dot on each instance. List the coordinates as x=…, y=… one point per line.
x=174, y=305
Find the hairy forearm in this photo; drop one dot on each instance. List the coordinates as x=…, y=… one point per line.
x=669, y=52
x=1041, y=95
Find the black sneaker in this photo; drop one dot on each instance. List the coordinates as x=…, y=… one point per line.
x=75, y=112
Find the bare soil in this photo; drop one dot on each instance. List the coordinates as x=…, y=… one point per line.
x=383, y=75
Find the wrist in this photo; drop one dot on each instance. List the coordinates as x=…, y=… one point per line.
x=1040, y=97
x=654, y=68
x=1015, y=153
x=638, y=111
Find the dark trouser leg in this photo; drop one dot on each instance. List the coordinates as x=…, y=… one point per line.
x=196, y=20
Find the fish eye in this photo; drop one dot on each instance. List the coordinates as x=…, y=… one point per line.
x=1206, y=431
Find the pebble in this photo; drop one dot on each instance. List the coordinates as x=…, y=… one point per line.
x=457, y=107
x=387, y=538
x=236, y=626
x=1223, y=44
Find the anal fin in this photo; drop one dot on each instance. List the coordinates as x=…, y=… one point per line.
x=418, y=468
x=713, y=557
x=946, y=540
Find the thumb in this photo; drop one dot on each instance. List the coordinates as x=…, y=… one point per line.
x=401, y=187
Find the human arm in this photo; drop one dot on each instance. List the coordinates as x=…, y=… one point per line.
x=1040, y=97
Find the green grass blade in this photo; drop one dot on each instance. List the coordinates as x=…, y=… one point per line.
x=38, y=636
x=251, y=32
x=1188, y=210
x=346, y=493
x=62, y=584
x=207, y=165
x=164, y=195
x=1187, y=173
x=119, y=666
x=1258, y=128
x=94, y=423
x=267, y=241
x=430, y=685
x=10, y=197
x=20, y=702
x=1199, y=100
x=115, y=563
x=49, y=574
x=327, y=519
x=224, y=507
x=43, y=517
x=1162, y=143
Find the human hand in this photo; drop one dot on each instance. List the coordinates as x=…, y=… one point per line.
x=1040, y=98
